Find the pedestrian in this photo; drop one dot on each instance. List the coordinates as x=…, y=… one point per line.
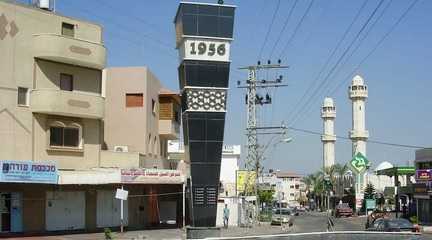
x=226, y=213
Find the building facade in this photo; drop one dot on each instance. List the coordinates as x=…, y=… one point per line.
x=423, y=186
x=288, y=186
x=60, y=169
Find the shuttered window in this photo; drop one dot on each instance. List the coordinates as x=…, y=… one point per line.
x=134, y=100
x=68, y=29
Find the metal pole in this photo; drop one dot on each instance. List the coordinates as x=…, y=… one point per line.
x=121, y=213
x=184, y=204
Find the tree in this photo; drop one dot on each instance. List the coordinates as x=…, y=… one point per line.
x=369, y=192
x=266, y=196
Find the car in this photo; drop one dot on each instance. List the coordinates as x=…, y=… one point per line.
x=282, y=216
x=343, y=210
x=393, y=225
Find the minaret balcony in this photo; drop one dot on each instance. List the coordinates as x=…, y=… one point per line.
x=328, y=138
x=353, y=134
x=358, y=94
x=328, y=114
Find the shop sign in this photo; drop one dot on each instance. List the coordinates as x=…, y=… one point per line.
x=424, y=175
x=28, y=172
x=420, y=188
x=151, y=176
x=370, y=204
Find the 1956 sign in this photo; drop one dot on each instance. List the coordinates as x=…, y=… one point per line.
x=204, y=49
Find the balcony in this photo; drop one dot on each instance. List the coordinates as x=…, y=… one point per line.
x=65, y=103
x=169, y=129
x=69, y=50
x=359, y=134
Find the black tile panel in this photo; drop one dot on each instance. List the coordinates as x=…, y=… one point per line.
x=203, y=74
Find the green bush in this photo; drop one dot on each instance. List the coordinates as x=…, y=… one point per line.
x=414, y=219
x=108, y=233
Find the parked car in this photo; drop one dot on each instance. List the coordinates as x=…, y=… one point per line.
x=282, y=216
x=343, y=209
x=393, y=225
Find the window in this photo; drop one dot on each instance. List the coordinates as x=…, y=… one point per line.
x=177, y=116
x=23, y=96
x=134, y=100
x=292, y=186
x=154, y=106
x=297, y=186
x=292, y=194
x=66, y=82
x=68, y=29
x=65, y=136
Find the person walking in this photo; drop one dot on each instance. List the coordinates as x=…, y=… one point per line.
x=226, y=213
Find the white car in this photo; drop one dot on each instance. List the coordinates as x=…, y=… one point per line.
x=282, y=216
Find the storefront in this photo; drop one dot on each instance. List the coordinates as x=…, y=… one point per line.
x=155, y=197
x=17, y=198
x=423, y=196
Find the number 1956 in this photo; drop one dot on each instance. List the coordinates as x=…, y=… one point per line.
x=211, y=50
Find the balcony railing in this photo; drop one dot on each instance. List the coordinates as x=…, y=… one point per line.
x=69, y=50
x=65, y=103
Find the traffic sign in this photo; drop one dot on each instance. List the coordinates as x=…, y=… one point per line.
x=359, y=163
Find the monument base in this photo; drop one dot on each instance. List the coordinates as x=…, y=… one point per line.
x=202, y=232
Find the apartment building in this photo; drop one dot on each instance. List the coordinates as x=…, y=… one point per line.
x=289, y=188
x=60, y=170
x=140, y=117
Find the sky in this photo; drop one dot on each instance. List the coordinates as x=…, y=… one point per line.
x=399, y=107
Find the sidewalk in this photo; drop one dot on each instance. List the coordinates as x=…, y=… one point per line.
x=166, y=234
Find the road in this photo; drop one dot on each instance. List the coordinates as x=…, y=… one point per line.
x=305, y=223
x=317, y=222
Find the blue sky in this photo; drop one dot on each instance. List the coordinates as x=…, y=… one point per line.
x=399, y=108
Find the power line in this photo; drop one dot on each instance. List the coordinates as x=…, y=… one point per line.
x=361, y=41
x=344, y=35
x=384, y=37
x=327, y=86
x=338, y=61
x=283, y=28
x=346, y=138
x=269, y=29
x=297, y=28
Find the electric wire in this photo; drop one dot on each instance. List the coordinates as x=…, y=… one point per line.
x=339, y=43
x=327, y=87
x=378, y=44
x=347, y=138
x=303, y=108
x=269, y=29
x=283, y=28
x=296, y=28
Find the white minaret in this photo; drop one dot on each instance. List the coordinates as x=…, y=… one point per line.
x=358, y=93
x=328, y=114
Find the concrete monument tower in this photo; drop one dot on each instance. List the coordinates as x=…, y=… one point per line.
x=328, y=114
x=204, y=32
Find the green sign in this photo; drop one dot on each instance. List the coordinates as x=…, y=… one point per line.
x=370, y=204
x=359, y=163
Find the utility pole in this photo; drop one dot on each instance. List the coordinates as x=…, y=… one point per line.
x=253, y=99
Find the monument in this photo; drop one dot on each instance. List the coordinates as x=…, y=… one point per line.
x=203, y=36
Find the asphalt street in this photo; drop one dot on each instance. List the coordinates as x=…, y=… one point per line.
x=305, y=223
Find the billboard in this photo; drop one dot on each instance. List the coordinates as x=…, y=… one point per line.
x=28, y=172
x=245, y=179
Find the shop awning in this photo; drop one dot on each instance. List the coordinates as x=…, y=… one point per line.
x=90, y=177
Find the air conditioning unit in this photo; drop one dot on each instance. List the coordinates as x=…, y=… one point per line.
x=121, y=149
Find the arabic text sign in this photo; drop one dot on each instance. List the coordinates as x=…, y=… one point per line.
x=28, y=172
x=151, y=176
